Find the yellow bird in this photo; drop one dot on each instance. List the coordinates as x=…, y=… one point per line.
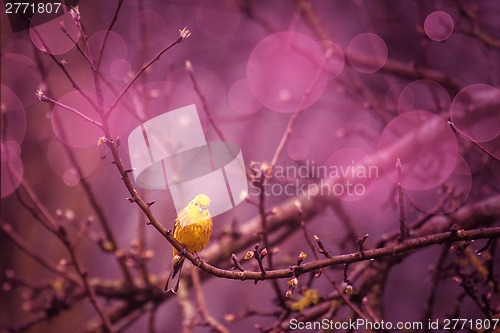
x=193, y=227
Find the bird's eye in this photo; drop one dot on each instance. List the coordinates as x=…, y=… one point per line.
x=196, y=204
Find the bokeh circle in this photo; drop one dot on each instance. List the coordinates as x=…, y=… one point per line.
x=210, y=87
x=49, y=36
x=449, y=195
x=351, y=174
x=282, y=67
x=11, y=166
x=22, y=76
x=438, y=26
x=241, y=98
x=367, y=53
x=424, y=95
x=297, y=149
x=115, y=48
x=426, y=146
x=13, y=116
x=475, y=110
x=335, y=58
x=71, y=128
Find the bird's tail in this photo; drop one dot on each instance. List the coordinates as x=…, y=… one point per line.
x=174, y=278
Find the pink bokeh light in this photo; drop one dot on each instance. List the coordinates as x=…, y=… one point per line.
x=475, y=111
x=120, y=69
x=72, y=129
x=424, y=95
x=11, y=166
x=475, y=158
x=241, y=98
x=335, y=60
x=49, y=37
x=21, y=75
x=209, y=85
x=282, y=67
x=71, y=177
x=439, y=26
x=392, y=96
x=493, y=146
x=367, y=53
x=13, y=116
x=297, y=149
x=355, y=135
x=426, y=146
x=116, y=48
x=87, y=158
x=352, y=172
x=449, y=195
x=11, y=151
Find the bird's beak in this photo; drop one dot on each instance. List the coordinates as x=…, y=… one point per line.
x=201, y=208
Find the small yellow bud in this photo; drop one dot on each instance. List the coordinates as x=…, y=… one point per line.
x=349, y=289
x=107, y=246
x=230, y=317
x=176, y=259
x=148, y=254
x=293, y=282
x=57, y=285
x=298, y=204
x=101, y=140
x=184, y=33
x=249, y=255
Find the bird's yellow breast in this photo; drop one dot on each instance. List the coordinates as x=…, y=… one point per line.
x=193, y=236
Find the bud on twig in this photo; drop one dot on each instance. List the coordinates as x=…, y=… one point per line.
x=184, y=33
x=75, y=13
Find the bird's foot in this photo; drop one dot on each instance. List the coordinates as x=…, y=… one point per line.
x=199, y=260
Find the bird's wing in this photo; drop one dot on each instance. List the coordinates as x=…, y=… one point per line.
x=176, y=225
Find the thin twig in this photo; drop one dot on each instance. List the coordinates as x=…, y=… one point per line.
x=293, y=118
x=103, y=220
x=265, y=240
x=60, y=64
x=431, y=296
x=182, y=37
x=88, y=288
x=187, y=308
x=344, y=297
x=474, y=142
x=47, y=99
x=106, y=34
x=236, y=262
x=402, y=226
x=152, y=319
x=19, y=241
x=189, y=70
x=215, y=325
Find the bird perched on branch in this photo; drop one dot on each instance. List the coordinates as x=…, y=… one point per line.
x=193, y=227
